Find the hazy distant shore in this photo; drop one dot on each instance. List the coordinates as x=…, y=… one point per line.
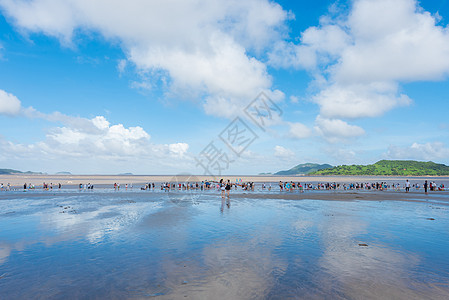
x=136, y=180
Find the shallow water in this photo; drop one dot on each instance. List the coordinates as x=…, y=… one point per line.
x=141, y=245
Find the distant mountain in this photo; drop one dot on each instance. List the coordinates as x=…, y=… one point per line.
x=390, y=168
x=11, y=171
x=63, y=173
x=304, y=169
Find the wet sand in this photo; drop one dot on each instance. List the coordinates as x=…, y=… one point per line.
x=440, y=197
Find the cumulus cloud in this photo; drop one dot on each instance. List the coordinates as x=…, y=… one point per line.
x=178, y=149
x=335, y=130
x=319, y=45
x=401, y=40
x=9, y=104
x=103, y=140
x=428, y=151
x=359, y=100
x=299, y=131
x=12, y=106
x=95, y=139
x=283, y=153
x=359, y=59
x=200, y=48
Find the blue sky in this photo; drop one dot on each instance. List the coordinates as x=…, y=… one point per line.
x=146, y=86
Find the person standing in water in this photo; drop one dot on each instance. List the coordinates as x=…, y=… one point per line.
x=425, y=187
x=228, y=188
x=407, y=186
x=222, y=188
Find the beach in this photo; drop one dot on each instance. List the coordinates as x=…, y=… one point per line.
x=108, y=180
x=186, y=244
x=120, y=120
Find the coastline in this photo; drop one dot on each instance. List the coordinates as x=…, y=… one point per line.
x=19, y=179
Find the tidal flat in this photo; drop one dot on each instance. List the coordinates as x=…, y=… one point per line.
x=106, y=244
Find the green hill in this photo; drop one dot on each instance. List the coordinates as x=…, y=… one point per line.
x=303, y=169
x=390, y=168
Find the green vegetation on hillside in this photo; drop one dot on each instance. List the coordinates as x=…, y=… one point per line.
x=303, y=169
x=389, y=168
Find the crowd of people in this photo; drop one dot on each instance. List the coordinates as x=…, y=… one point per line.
x=126, y=186
x=45, y=186
x=203, y=185
x=379, y=186
x=290, y=186
x=5, y=188
x=85, y=186
x=284, y=186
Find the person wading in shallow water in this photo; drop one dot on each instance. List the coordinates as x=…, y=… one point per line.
x=407, y=186
x=228, y=189
x=222, y=188
x=425, y=187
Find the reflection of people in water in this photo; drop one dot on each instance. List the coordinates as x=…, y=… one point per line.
x=223, y=202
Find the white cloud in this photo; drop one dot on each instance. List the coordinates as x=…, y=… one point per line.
x=319, y=45
x=121, y=65
x=429, y=151
x=283, y=153
x=9, y=104
x=86, y=125
x=101, y=139
x=299, y=131
x=178, y=149
x=294, y=99
x=359, y=100
x=394, y=40
x=359, y=59
x=335, y=130
x=87, y=140
x=200, y=48
x=88, y=144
